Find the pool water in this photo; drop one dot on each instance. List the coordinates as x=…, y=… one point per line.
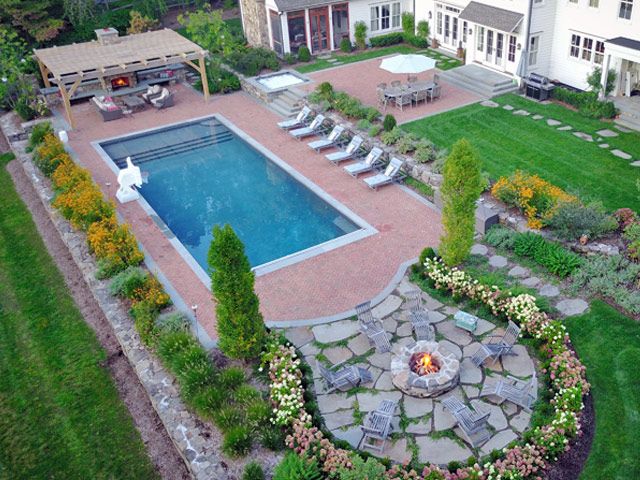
x=202, y=174
x=280, y=80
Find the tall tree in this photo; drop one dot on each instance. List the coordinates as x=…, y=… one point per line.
x=461, y=188
x=33, y=17
x=240, y=326
x=208, y=29
x=79, y=12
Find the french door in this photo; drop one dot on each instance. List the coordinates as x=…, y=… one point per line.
x=319, y=19
x=494, y=49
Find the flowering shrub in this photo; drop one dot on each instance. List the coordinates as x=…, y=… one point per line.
x=114, y=245
x=287, y=393
x=83, y=204
x=49, y=154
x=536, y=198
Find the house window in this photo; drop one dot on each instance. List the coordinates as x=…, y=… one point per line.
x=439, y=23
x=594, y=3
x=464, y=31
x=511, y=55
x=575, y=46
x=625, y=9
x=573, y=1
x=385, y=16
x=599, y=55
x=587, y=47
x=534, y=44
x=480, y=40
x=538, y=2
x=276, y=32
x=297, y=30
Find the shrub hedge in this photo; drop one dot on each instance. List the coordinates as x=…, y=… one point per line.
x=586, y=102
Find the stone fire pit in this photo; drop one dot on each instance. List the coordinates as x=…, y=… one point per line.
x=431, y=384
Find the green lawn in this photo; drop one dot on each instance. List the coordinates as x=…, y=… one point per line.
x=443, y=62
x=60, y=414
x=608, y=343
x=507, y=142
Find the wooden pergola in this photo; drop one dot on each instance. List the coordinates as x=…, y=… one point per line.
x=69, y=65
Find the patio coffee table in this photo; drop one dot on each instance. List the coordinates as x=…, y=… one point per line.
x=133, y=102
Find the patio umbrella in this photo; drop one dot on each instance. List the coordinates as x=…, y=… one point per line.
x=408, y=64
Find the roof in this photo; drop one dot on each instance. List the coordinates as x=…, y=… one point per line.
x=292, y=5
x=492, y=17
x=90, y=60
x=626, y=42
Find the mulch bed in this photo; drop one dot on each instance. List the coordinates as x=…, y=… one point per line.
x=160, y=448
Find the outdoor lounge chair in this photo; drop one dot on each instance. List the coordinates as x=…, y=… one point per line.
x=377, y=425
x=372, y=161
x=164, y=100
x=419, y=317
x=496, y=348
x=107, y=109
x=346, y=377
x=314, y=128
x=298, y=121
x=331, y=140
x=514, y=390
x=348, y=153
x=473, y=424
x=153, y=91
x=372, y=328
x=391, y=174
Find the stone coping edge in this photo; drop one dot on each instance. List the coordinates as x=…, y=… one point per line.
x=196, y=448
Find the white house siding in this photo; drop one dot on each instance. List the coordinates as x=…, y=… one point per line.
x=543, y=15
x=600, y=23
x=360, y=10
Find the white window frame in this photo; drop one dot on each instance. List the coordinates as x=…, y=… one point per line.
x=511, y=48
x=534, y=48
x=587, y=49
x=385, y=16
x=575, y=2
x=626, y=9
x=574, y=49
x=439, y=23
x=598, y=52
x=594, y=3
x=480, y=39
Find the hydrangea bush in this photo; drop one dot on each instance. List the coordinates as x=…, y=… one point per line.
x=524, y=460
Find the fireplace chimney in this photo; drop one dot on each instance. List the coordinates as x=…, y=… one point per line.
x=107, y=36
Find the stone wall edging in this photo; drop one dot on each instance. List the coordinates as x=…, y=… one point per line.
x=193, y=439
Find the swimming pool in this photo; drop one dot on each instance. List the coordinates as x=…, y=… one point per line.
x=206, y=172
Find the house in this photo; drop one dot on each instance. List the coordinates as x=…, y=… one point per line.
x=560, y=39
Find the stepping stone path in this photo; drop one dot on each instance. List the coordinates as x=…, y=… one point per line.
x=635, y=164
x=549, y=290
x=607, y=133
x=553, y=123
x=623, y=129
x=604, y=145
x=531, y=282
x=523, y=113
x=479, y=249
x=566, y=128
x=497, y=261
x=584, y=136
x=507, y=107
x=489, y=103
x=518, y=272
x=537, y=117
x=621, y=154
x=574, y=306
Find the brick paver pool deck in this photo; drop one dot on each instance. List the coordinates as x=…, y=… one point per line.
x=325, y=285
x=361, y=78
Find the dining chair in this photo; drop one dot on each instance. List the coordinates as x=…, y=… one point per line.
x=412, y=79
x=396, y=83
x=382, y=98
x=382, y=85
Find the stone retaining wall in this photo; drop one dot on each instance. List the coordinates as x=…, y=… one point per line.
x=195, y=441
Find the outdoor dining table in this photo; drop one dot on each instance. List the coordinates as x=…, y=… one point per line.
x=393, y=92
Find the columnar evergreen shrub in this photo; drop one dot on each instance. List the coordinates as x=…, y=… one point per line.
x=360, y=34
x=345, y=45
x=422, y=30
x=408, y=23
x=389, y=122
x=239, y=322
x=304, y=55
x=461, y=188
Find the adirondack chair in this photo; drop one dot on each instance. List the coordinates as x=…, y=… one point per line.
x=372, y=328
x=346, y=377
x=419, y=317
x=498, y=346
x=472, y=423
x=377, y=426
x=521, y=392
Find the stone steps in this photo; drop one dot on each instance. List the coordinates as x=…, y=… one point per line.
x=480, y=81
x=288, y=102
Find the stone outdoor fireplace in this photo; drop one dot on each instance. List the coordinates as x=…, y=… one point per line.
x=122, y=81
x=425, y=369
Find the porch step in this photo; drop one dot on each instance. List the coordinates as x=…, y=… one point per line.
x=479, y=80
x=629, y=122
x=283, y=108
x=288, y=102
x=629, y=112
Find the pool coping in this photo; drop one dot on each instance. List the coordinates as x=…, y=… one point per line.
x=365, y=229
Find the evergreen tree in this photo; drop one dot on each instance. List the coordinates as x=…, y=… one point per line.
x=461, y=188
x=240, y=327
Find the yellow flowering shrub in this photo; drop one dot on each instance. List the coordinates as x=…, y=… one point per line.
x=152, y=293
x=49, y=154
x=114, y=245
x=83, y=204
x=536, y=198
x=67, y=175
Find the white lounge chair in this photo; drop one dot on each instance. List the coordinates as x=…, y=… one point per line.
x=297, y=122
x=366, y=165
x=330, y=141
x=391, y=174
x=348, y=153
x=314, y=128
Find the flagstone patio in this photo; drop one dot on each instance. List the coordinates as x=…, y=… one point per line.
x=422, y=422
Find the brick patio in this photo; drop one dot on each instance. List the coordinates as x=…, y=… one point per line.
x=324, y=285
x=360, y=80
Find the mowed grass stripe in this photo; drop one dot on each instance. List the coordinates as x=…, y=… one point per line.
x=60, y=414
x=508, y=142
